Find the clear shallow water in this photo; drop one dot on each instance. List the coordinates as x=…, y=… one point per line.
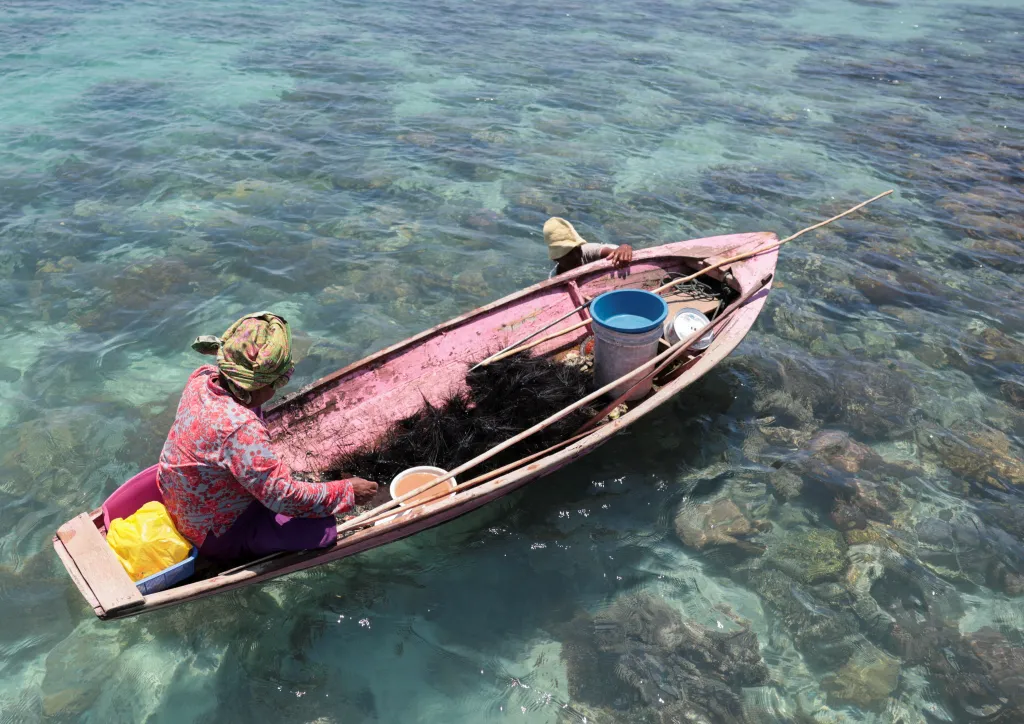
x=369, y=170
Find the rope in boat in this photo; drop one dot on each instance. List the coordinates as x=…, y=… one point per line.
x=695, y=290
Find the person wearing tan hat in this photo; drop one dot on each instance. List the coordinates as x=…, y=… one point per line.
x=570, y=250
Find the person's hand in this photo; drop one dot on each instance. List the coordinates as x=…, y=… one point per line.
x=622, y=255
x=364, y=490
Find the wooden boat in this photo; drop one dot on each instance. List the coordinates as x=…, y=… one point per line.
x=355, y=405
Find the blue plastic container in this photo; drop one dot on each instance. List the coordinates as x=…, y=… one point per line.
x=169, y=576
x=629, y=311
x=627, y=327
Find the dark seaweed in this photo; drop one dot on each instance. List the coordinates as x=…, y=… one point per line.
x=502, y=400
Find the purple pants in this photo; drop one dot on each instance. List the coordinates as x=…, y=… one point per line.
x=260, y=531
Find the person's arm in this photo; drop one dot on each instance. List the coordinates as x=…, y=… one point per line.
x=250, y=458
x=621, y=254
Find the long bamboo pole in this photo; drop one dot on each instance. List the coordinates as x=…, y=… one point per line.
x=516, y=349
x=770, y=247
x=564, y=412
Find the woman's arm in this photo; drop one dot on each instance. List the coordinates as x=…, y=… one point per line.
x=250, y=458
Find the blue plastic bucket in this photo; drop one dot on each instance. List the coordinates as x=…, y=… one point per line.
x=627, y=327
x=629, y=311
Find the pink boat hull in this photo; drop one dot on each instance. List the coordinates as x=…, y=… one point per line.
x=353, y=406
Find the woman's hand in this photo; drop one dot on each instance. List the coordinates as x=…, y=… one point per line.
x=622, y=255
x=364, y=490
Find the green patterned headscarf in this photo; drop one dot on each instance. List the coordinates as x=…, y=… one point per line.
x=256, y=351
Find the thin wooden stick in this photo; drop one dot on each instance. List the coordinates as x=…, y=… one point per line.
x=501, y=355
x=555, y=335
x=564, y=412
x=748, y=254
x=483, y=478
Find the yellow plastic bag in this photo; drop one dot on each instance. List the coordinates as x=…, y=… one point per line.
x=147, y=541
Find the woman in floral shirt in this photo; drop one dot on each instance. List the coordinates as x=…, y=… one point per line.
x=222, y=483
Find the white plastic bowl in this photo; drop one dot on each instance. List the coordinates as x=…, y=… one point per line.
x=420, y=469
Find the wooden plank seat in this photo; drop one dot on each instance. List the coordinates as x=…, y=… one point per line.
x=97, y=565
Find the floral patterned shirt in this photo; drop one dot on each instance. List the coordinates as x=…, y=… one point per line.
x=218, y=459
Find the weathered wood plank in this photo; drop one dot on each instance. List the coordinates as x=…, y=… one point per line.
x=76, y=576
x=98, y=565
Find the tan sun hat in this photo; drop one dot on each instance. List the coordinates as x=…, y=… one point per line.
x=560, y=237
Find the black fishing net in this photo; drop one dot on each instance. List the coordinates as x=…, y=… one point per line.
x=503, y=399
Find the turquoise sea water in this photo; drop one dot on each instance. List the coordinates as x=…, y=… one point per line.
x=846, y=487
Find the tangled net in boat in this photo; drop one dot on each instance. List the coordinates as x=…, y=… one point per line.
x=503, y=399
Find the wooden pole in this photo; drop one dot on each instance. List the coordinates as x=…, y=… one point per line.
x=770, y=247
x=515, y=348
x=564, y=412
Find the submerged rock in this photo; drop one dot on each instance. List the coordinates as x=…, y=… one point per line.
x=1003, y=662
x=785, y=436
x=978, y=454
x=592, y=681
x=716, y=524
x=877, y=500
x=785, y=407
x=866, y=681
x=823, y=634
x=1013, y=392
x=842, y=452
x=996, y=346
x=903, y=605
x=981, y=675
x=78, y=668
x=640, y=656
x=848, y=517
x=810, y=556
x=966, y=550
x=875, y=400
x=786, y=484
